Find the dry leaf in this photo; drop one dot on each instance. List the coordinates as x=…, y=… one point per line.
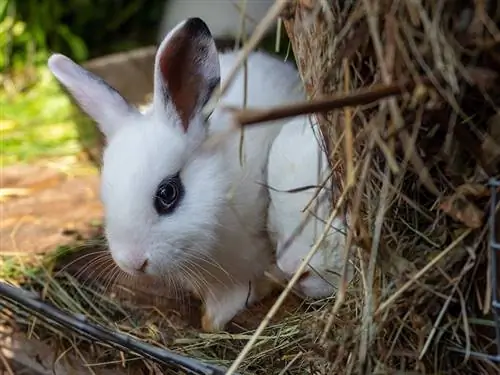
x=494, y=127
x=473, y=190
x=490, y=146
x=460, y=209
x=308, y=4
x=413, y=13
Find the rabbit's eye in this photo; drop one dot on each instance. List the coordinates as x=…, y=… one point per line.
x=168, y=195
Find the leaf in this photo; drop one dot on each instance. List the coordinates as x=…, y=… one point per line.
x=130, y=10
x=3, y=8
x=461, y=209
x=473, y=190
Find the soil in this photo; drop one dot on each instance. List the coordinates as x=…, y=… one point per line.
x=43, y=206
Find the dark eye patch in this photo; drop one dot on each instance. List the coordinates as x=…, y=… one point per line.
x=168, y=195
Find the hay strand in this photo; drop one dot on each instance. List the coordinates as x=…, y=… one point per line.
x=245, y=117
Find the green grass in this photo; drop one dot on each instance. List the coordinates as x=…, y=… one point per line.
x=38, y=122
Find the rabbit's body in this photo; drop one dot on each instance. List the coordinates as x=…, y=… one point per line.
x=270, y=82
x=297, y=160
x=178, y=205
x=243, y=248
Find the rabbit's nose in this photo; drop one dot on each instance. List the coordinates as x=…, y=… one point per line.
x=131, y=262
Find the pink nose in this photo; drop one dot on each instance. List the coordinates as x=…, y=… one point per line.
x=132, y=264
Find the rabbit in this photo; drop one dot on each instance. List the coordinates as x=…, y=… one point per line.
x=178, y=205
x=297, y=160
x=224, y=17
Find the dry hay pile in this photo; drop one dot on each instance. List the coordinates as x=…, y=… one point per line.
x=413, y=171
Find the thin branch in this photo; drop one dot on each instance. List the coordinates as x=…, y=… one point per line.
x=79, y=324
x=365, y=96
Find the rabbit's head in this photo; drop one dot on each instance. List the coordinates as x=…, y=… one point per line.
x=162, y=186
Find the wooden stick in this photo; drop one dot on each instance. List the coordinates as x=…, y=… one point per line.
x=247, y=117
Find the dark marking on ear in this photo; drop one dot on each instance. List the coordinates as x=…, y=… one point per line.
x=304, y=274
x=182, y=68
x=197, y=27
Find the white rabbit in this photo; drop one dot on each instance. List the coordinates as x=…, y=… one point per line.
x=223, y=17
x=178, y=205
x=297, y=160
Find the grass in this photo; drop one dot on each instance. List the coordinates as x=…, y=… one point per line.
x=38, y=122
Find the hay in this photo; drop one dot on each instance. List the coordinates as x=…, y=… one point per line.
x=77, y=279
x=415, y=169
x=412, y=169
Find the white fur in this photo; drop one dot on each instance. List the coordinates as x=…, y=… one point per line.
x=213, y=243
x=297, y=160
x=223, y=17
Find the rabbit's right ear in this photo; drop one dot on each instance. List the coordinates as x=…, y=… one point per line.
x=186, y=71
x=94, y=96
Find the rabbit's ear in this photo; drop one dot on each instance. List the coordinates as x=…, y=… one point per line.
x=94, y=96
x=187, y=71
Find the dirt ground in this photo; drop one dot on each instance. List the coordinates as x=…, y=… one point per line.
x=44, y=204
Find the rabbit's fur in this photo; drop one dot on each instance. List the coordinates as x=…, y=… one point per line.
x=296, y=160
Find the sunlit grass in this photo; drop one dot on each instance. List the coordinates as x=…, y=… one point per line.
x=37, y=122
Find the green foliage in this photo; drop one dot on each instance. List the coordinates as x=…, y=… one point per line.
x=37, y=118
x=31, y=29
x=37, y=123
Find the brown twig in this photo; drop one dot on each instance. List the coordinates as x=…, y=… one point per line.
x=362, y=97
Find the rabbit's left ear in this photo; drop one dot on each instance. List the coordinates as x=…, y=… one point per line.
x=187, y=71
x=94, y=96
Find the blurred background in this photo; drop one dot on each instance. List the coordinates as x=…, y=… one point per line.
x=37, y=117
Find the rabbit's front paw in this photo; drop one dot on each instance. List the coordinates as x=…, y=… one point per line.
x=208, y=324
x=222, y=306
